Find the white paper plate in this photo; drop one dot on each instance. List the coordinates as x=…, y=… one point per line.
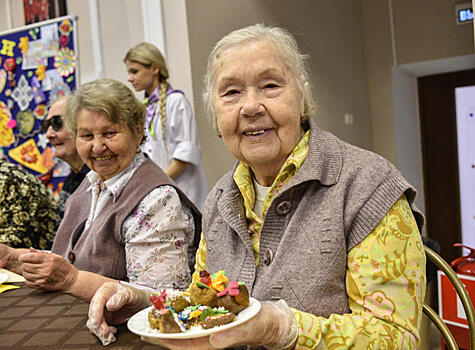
x=3, y=277
x=139, y=325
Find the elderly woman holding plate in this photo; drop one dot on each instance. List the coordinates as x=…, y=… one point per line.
x=323, y=233
x=127, y=221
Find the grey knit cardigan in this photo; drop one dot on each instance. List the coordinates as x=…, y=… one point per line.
x=336, y=199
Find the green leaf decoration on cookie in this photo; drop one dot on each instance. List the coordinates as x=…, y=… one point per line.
x=201, y=285
x=218, y=311
x=216, y=273
x=205, y=313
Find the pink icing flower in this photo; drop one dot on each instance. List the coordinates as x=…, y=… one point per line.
x=232, y=289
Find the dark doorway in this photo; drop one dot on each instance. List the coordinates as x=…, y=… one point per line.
x=440, y=162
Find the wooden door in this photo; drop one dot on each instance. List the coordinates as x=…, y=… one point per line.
x=440, y=160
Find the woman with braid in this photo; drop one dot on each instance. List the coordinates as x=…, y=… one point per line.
x=172, y=135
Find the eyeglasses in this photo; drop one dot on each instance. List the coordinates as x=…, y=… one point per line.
x=56, y=121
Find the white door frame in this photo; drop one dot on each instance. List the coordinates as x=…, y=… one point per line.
x=406, y=113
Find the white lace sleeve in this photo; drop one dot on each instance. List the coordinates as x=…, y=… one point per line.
x=156, y=239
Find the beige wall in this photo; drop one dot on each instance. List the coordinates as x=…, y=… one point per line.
x=423, y=30
x=121, y=27
x=331, y=32
x=16, y=11
x=349, y=43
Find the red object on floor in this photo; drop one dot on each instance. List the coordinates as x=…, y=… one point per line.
x=451, y=309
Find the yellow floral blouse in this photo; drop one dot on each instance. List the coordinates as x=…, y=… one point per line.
x=385, y=278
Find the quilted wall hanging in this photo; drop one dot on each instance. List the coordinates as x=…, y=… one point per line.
x=38, y=65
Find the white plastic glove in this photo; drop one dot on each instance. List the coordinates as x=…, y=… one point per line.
x=274, y=327
x=113, y=303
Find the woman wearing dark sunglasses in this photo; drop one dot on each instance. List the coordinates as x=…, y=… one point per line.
x=65, y=149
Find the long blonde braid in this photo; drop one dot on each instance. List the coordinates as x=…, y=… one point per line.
x=162, y=105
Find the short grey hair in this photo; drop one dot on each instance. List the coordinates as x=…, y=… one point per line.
x=110, y=97
x=285, y=42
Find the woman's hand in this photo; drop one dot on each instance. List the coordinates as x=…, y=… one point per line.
x=9, y=258
x=47, y=271
x=113, y=303
x=275, y=327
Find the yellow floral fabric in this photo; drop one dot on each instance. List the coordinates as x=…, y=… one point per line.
x=385, y=284
x=385, y=279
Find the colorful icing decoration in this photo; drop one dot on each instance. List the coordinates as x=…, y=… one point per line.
x=10, y=65
x=40, y=111
x=159, y=300
x=63, y=40
x=205, y=278
x=65, y=27
x=3, y=79
x=26, y=122
x=40, y=72
x=232, y=290
x=202, y=285
x=23, y=93
x=29, y=74
x=28, y=155
x=24, y=44
x=65, y=61
x=37, y=92
x=6, y=132
x=219, y=280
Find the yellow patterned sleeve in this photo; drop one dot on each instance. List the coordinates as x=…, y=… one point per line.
x=385, y=284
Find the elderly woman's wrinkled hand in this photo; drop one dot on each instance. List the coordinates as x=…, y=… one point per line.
x=47, y=271
x=3, y=255
x=274, y=327
x=113, y=303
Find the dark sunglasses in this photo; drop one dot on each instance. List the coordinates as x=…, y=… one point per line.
x=55, y=121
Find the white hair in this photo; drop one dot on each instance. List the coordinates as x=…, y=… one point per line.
x=288, y=47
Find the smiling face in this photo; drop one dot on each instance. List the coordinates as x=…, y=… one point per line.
x=258, y=106
x=64, y=145
x=107, y=148
x=142, y=77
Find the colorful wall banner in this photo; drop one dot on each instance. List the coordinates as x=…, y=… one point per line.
x=38, y=65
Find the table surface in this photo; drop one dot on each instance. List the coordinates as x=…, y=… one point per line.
x=32, y=319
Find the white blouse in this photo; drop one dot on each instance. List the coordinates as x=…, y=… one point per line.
x=183, y=143
x=156, y=234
